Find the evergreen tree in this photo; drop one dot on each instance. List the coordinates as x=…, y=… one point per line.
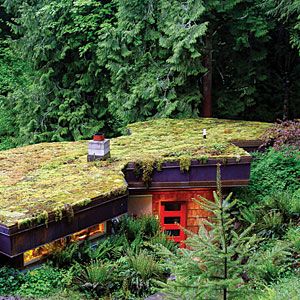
x=97, y=65
x=153, y=53
x=286, y=50
x=14, y=76
x=288, y=12
x=240, y=33
x=214, y=265
x=59, y=38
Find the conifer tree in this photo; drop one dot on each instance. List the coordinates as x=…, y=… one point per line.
x=214, y=264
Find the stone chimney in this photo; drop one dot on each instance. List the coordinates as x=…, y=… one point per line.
x=98, y=148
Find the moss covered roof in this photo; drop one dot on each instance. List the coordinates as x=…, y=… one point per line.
x=38, y=179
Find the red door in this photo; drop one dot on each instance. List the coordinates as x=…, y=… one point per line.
x=171, y=214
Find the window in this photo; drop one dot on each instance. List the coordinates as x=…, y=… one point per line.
x=171, y=220
x=172, y=206
x=173, y=232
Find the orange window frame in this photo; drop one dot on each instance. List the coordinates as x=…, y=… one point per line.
x=182, y=214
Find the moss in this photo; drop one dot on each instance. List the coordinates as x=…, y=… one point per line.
x=48, y=177
x=58, y=214
x=224, y=160
x=203, y=159
x=84, y=202
x=42, y=218
x=159, y=164
x=185, y=163
x=69, y=212
x=24, y=223
x=144, y=170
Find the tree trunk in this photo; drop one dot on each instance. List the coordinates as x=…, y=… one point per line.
x=286, y=97
x=225, y=277
x=207, y=79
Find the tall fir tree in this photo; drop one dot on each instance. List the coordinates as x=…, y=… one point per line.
x=214, y=264
x=153, y=53
x=286, y=54
x=59, y=38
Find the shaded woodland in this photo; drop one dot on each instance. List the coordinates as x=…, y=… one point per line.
x=71, y=68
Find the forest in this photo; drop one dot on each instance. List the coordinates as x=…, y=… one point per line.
x=72, y=68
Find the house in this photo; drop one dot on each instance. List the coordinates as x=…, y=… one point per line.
x=50, y=194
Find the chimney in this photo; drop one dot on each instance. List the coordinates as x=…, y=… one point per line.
x=99, y=148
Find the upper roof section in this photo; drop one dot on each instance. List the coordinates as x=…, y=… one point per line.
x=50, y=177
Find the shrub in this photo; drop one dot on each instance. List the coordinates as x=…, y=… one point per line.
x=283, y=133
x=141, y=268
x=67, y=256
x=97, y=278
x=293, y=236
x=295, y=203
x=104, y=249
x=274, y=171
x=162, y=239
x=285, y=289
x=10, y=281
x=273, y=213
x=271, y=224
x=285, y=202
x=271, y=262
x=145, y=227
x=44, y=281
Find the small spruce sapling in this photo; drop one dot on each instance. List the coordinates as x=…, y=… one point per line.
x=214, y=264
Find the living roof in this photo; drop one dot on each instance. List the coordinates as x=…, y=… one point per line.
x=49, y=177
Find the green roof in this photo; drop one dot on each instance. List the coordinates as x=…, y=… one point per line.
x=47, y=177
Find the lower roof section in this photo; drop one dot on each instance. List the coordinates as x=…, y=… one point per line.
x=14, y=240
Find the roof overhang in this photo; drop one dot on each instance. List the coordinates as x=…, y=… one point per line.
x=15, y=241
x=200, y=175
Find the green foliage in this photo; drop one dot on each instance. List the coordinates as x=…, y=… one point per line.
x=271, y=262
x=146, y=226
x=271, y=201
x=289, y=13
x=271, y=224
x=10, y=281
x=123, y=265
x=293, y=236
x=83, y=66
x=69, y=98
x=114, y=267
x=274, y=171
x=286, y=289
x=154, y=65
x=44, y=281
x=162, y=240
x=66, y=256
x=40, y=282
x=141, y=269
x=14, y=75
x=215, y=263
x=295, y=202
x=97, y=278
x=240, y=34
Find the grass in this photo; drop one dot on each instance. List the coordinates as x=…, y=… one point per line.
x=38, y=179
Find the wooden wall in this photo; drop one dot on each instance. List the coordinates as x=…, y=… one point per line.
x=195, y=214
